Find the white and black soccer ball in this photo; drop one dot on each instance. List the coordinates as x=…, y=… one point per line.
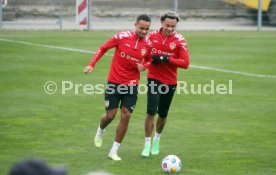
x=171, y=164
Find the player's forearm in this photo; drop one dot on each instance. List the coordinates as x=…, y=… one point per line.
x=146, y=65
x=101, y=51
x=97, y=56
x=147, y=61
x=181, y=63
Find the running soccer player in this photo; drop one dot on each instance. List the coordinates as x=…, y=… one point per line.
x=169, y=53
x=131, y=56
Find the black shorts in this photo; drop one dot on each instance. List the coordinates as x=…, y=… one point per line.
x=125, y=95
x=159, y=97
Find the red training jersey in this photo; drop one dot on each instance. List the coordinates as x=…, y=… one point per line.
x=173, y=46
x=130, y=51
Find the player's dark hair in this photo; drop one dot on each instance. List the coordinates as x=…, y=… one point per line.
x=171, y=15
x=143, y=17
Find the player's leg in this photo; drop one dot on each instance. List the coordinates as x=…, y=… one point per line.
x=123, y=124
x=152, y=103
x=108, y=117
x=112, y=101
x=120, y=133
x=128, y=102
x=163, y=108
x=105, y=120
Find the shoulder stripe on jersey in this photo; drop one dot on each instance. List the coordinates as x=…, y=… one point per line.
x=179, y=37
x=122, y=35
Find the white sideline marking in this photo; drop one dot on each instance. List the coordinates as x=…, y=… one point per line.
x=92, y=52
x=47, y=46
x=233, y=72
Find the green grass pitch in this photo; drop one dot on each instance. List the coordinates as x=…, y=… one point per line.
x=212, y=134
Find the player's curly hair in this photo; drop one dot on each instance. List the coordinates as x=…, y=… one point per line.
x=170, y=14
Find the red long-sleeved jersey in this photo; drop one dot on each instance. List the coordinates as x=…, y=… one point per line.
x=173, y=46
x=130, y=51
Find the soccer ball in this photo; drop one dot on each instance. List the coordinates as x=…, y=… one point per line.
x=171, y=164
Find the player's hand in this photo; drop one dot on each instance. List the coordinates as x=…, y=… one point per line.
x=88, y=69
x=140, y=67
x=156, y=59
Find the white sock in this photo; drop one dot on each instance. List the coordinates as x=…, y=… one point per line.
x=115, y=147
x=100, y=131
x=157, y=136
x=147, y=140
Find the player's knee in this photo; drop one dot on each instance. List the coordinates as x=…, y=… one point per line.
x=126, y=113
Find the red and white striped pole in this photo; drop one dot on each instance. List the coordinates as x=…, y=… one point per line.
x=4, y=3
x=82, y=12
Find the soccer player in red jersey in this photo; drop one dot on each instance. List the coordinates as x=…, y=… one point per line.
x=169, y=53
x=132, y=55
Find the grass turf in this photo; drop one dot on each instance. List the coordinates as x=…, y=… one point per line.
x=212, y=134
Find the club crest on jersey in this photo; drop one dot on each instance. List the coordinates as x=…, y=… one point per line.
x=172, y=46
x=143, y=51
